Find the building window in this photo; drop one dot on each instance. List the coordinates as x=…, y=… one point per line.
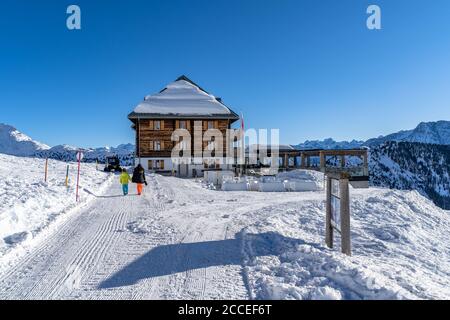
x=210, y=124
x=157, y=125
x=156, y=164
x=157, y=146
x=183, y=124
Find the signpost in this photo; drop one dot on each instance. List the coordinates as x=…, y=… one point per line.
x=338, y=211
x=79, y=158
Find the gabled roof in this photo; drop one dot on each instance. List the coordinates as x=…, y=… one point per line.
x=182, y=98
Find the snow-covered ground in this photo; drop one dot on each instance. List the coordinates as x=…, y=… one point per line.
x=29, y=205
x=182, y=241
x=400, y=250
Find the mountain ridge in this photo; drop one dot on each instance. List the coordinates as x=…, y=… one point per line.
x=435, y=132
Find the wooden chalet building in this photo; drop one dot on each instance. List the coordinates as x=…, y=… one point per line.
x=180, y=105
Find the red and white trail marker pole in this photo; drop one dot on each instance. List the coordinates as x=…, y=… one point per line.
x=79, y=157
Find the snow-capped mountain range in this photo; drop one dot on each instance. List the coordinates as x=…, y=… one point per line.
x=125, y=152
x=426, y=132
x=16, y=143
x=329, y=144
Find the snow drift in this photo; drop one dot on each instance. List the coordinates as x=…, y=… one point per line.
x=28, y=205
x=400, y=250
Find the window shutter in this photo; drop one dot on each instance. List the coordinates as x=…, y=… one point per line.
x=150, y=125
x=216, y=124
x=150, y=164
x=150, y=145
x=177, y=124
x=162, y=164
x=188, y=125
x=205, y=125
x=162, y=124
x=162, y=145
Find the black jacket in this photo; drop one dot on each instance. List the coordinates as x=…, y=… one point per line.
x=138, y=175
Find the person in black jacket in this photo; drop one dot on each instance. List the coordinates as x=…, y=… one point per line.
x=139, y=178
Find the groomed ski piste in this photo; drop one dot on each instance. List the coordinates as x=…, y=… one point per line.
x=181, y=240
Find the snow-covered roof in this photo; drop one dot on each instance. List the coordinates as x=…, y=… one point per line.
x=182, y=98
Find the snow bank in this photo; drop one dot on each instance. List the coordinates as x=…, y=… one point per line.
x=295, y=181
x=28, y=205
x=302, y=180
x=400, y=250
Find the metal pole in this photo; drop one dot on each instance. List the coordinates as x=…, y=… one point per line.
x=139, y=140
x=78, y=175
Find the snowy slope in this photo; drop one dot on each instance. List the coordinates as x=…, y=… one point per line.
x=28, y=205
x=14, y=142
x=400, y=250
x=182, y=241
x=413, y=166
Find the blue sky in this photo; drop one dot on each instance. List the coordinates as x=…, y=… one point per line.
x=310, y=68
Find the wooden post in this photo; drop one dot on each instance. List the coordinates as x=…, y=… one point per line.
x=365, y=164
x=328, y=227
x=303, y=161
x=342, y=161
x=79, y=157
x=322, y=160
x=46, y=169
x=286, y=161
x=67, y=176
x=345, y=216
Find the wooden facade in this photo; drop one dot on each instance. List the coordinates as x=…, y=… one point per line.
x=154, y=137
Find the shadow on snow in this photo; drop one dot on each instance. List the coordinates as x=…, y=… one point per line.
x=182, y=257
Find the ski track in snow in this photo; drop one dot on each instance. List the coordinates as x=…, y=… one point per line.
x=100, y=252
x=182, y=241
